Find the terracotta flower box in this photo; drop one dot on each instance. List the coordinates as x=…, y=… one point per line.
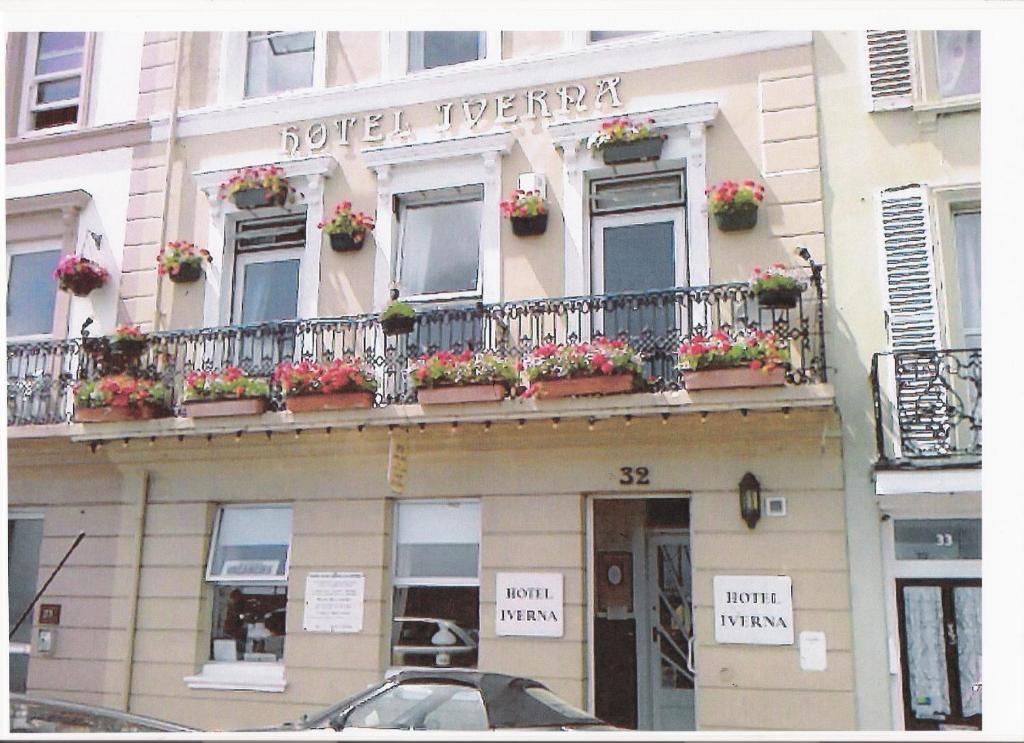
x=720, y=379
x=610, y=384
x=461, y=393
x=331, y=401
x=208, y=408
x=111, y=414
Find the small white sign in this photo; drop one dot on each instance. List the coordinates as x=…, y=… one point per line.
x=813, y=655
x=754, y=609
x=529, y=604
x=398, y=460
x=334, y=602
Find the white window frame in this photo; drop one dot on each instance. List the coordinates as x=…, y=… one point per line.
x=685, y=148
x=432, y=165
x=234, y=579
x=307, y=176
x=243, y=259
x=395, y=55
x=928, y=102
x=234, y=47
x=31, y=81
x=59, y=317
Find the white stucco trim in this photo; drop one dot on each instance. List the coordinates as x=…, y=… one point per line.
x=239, y=676
x=592, y=60
x=910, y=482
x=687, y=144
x=306, y=176
x=430, y=165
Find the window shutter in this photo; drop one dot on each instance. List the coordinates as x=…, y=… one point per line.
x=913, y=317
x=890, y=70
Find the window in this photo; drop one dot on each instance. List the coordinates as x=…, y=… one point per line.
x=248, y=568
x=31, y=290
x=57, y=65
x=436, y=619
x=277, y=61
x=426, y=706
x=596, y=36
x=439, y=242
x=958, y=62
x=429, y=49
x=268, y=253
x=967, y=236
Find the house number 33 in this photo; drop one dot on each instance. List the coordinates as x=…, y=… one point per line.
x=635, y=476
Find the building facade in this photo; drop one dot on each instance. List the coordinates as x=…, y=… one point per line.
x=670, y=602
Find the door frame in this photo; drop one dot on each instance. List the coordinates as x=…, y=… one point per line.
x=639, y=216
x=591, y=598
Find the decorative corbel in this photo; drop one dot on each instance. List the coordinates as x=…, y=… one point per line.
x=571, y=155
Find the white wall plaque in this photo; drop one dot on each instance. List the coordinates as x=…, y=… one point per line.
x=813, y=651
x=334, y=602
x=529, y=604
x=754, y=609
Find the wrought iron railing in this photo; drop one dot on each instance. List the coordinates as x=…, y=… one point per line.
x=41, y=376
x=927, y=405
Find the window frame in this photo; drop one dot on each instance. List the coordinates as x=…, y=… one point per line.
x=248, y=580
x=946, y=202
x=395, y=56
x=59, y=316
x=30, y=82
x=928, y=103
x=598, y=222
x=232, y=78
x=235, y=278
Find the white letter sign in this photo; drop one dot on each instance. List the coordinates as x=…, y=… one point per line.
x=529, y=604
x=334, y=602
x=754, y=609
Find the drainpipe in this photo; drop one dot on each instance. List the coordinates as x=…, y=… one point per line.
x=133, y=596
x=172, y=130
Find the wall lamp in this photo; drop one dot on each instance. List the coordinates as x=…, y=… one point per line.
x=750, y=500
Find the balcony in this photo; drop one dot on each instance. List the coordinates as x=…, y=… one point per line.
x=41, y=375
x=927, y=408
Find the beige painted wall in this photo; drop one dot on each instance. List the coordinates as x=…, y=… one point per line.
x=533, y=486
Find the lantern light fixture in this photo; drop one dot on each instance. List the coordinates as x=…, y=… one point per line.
x=750, y=500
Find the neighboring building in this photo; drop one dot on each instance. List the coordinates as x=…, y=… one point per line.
x=901, y=144
x=187, y=599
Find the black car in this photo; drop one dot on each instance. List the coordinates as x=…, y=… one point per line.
x=451, y=700
x=38, y=715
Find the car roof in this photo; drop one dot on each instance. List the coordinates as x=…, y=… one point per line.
x=104, y=712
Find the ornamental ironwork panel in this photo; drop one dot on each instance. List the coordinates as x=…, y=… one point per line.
x=41, y=376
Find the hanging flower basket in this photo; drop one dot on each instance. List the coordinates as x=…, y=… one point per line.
x=250, y=188
x=734, y=205
x=777, y=287
x=343, y=242
x=529, y=226
x=740, y=218
x=253, y=198
x=346, y=228
x=720, y=379
x=79, y=276
x=623, y=141
x=528, y=212
x=637, y=151
x=779, y=299
x=187, y=273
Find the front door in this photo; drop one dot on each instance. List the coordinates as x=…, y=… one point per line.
x=665, y=667
x=940, y=640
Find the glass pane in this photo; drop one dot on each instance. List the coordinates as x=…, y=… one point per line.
x=422, y=707
x=605, y=35
x=463, y=711
x=967, y=603
x=252, y=542
x=57, y=90
x=248, y=623
x=280, y=62
x=436, y=627
x=59, y=62
x=675, y=615
x=958, y=60
x=968, y=260
x=428, y=49
x=31, y=292
x=271, y=291
x=628, y=194
x=438, y=540
x=440, y=248
x=926, y=651
x=938, y=539
x=60, y=41
x=55, y=117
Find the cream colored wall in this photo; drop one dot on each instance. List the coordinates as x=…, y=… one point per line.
x=353, y=57
x=533, y=485
x=524, y=43
x=863, y=154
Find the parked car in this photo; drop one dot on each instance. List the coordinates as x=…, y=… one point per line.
x=451, y=700
x=427, y=641
x=31, y=714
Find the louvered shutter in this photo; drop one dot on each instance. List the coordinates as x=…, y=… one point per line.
x=890, y=70
x=913, y=321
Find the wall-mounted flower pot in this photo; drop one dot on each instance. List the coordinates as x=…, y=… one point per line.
x=343, y=242
x=720, y=379
x=461, y=393
x=779, y=299
x=111, y=414
x=527, y=226
x=639, y=150
x=209, y=408
x=398, y=325
x=127, y=350
x=187, y=273
x=251, y=198
x=743, y=217
x=81, y=284
x=610, y=384
x=331, y=401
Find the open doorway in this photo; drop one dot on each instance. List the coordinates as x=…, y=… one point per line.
x=643, y=613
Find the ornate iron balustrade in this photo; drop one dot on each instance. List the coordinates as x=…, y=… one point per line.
x=927, y=404
x=41, y=376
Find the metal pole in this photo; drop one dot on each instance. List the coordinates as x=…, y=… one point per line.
x=28, y=609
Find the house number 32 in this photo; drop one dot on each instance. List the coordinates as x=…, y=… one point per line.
x=635, y=476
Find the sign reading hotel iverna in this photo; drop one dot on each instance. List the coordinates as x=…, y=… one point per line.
x=754, y=609
x=529, y=604
x=466, y=114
